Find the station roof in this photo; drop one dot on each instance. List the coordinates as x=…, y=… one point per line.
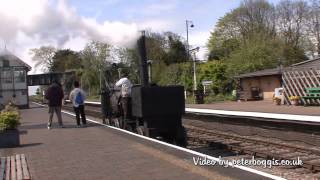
x=265, y=72
x=7, y=55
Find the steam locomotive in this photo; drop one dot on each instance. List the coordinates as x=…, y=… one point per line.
x=153, y=111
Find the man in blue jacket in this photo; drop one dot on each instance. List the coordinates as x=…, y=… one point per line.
x=77, y=97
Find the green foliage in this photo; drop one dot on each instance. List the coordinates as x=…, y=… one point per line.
x=218, y=98
x=177, y=51
x=95, y=60
x=257, y=35
x=190, y=100
x=214, y=71
x=9, y=118
x=38, y=91
x=65, y=59
x=36, y=98
x=253, y=56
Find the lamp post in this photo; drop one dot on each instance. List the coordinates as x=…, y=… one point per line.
x=194, y=50
x=188, y=24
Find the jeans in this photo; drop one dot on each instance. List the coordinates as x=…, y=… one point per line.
x=56, y=109
x=80, y=111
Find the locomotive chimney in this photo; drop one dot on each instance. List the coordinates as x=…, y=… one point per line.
x=143, y=60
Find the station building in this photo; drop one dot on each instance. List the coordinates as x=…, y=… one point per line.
x=260, y=84
x=13, y=80
x=294, y=80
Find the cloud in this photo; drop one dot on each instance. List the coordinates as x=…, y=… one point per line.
x=32, y=23
x=200, y=39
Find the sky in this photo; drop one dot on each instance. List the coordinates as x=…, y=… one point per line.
x=73, y=23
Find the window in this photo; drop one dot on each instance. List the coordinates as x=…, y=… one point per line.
x=6, y=76
x=5, y=63
x=19, y=76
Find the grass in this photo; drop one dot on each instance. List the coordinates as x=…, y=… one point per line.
x=35, y=98
x=93, y=98
x=212, y=98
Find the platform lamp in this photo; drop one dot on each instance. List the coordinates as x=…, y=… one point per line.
x=194, y=50
x=191, y=25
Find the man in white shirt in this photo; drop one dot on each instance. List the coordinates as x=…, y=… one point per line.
x=125, y=96
x=125, y=85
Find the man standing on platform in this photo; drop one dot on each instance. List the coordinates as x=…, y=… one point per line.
x=77, y=97
x=54, y=95
x=125, y=97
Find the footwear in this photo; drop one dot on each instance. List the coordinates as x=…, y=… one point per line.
x=49, y=127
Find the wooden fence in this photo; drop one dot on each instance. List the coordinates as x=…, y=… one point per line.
x=296, y=80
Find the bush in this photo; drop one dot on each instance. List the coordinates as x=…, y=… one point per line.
x=9, y=120
x=10, y=108
x=190, y=99
x=9, y=117
x=219, y=97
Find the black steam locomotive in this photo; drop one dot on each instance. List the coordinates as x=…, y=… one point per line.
x=153, y=111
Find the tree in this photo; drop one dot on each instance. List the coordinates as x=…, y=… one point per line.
x=291, y=20
x=177, y=52
x=314, y=24
x=214, y=71
x=65, y=59
x=95, y=60
x=43, y=57
x=253, y=56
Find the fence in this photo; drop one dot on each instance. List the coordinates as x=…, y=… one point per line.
x=296, y=80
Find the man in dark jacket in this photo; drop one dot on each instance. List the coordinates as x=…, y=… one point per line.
x=54, y=95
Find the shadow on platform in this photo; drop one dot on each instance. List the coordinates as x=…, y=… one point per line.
x=30, y=144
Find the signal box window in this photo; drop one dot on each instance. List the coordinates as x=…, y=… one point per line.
x=19, y=76
x=7, y=76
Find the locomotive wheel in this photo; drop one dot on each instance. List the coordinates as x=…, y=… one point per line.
x=129, y=128
x=140, y=130
x=116, y=122
x=106, y=121
x=181, y=137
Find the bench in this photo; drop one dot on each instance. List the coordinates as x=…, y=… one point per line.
x=312, y=93
x=14, y=168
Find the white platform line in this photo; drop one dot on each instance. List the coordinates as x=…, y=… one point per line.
x=181, y=148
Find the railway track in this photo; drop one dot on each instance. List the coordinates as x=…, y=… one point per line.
x=256, y=147
x=230, y=145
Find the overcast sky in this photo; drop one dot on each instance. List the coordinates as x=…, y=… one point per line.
x=70, y=24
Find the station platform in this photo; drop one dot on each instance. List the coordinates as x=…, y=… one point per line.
x=259, y=109
x=259, y=106
x=99, y=152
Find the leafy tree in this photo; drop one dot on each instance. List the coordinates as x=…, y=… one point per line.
x=65, y=59
x=177, y=52
x=95, y=59
x=43, y=57
x=253, y=56
x=214, y=71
